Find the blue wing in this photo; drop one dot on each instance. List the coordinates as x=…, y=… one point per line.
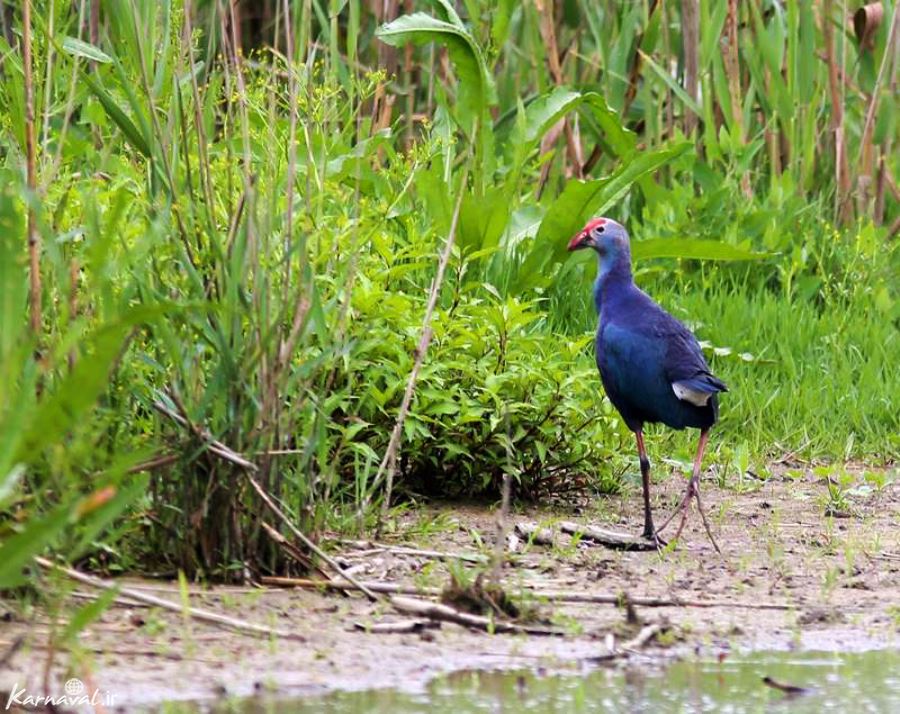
x=653, y=368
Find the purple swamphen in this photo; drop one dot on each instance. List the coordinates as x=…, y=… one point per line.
x=650, y=364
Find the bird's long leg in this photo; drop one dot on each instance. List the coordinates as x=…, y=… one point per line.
x=693, y=491
x=649, y=530
x=705, y=522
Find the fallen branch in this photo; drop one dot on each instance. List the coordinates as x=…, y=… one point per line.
x=423, y=553
x=193, y=612
x=610, y=539
x=636, y=643
x=563, y=596
x=437, y=611
x=396, y=628
x=290, y=548
x=122, y=602
x=642, y=638
x=377, y=587
x=533, y=533
x=307, y=542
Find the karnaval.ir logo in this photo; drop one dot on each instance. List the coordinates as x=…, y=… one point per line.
x=74, y=687
x=76, y=694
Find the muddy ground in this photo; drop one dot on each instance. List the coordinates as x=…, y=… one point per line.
x=832, y=559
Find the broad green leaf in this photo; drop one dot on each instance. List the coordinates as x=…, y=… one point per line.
x=80, y=48
x=476, y=86
x=131, y=132
x=482, y=220
x=621, y=141
x=542, y=113
x=500, y=22
x=545, y=111
x=579, y=201
x=343, y=165
x=10, y=481
x=445, y=7
x=523, y=223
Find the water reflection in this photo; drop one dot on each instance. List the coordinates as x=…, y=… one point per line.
x=851, y=682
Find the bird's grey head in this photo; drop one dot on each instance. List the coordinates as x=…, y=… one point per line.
x=609, y=239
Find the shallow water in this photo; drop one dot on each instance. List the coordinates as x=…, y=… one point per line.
x=839, y=682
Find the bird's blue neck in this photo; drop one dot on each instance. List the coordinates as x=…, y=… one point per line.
x=613, y=278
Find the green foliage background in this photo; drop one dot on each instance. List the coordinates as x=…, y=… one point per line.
x=241, y=216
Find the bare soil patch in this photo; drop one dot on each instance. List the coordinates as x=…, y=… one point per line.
x=837, y=577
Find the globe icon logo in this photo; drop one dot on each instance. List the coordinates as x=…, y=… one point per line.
x=74, y=687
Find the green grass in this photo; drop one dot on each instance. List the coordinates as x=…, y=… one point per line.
x=249, y=240
x=823, y=383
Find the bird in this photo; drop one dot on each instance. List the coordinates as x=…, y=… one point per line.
x=651, y=365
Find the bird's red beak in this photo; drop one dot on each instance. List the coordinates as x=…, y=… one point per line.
x=581, y=240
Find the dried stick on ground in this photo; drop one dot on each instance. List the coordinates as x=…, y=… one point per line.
x=14, y=647
x=437, y=611
x=396, y=628
x=610, y=539
x=193, y=612
x=378, y=587
x=421, y=552
x=223, y=452
x=639, y=641
x=549, y=595
x=533, y=533
x=289, y=548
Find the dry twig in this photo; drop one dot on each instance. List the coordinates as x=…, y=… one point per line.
x=438, y=611
x=420, y=552
x=395, y=628
x=549, y=595
x=638, y=642
x=533, y=533
x=193, y=612
x=610, y=539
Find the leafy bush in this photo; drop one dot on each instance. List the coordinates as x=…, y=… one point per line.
x=496, y=395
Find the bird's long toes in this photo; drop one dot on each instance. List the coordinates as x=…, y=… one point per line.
x=652, y=534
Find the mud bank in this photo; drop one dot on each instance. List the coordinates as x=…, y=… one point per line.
x=795, y=573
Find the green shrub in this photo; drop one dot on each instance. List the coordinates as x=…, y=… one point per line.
x=497, y=394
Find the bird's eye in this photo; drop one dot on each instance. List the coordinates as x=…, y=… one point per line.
x=598, y=230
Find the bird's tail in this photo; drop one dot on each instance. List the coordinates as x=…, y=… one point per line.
x=705, y=382
x=699, y=388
